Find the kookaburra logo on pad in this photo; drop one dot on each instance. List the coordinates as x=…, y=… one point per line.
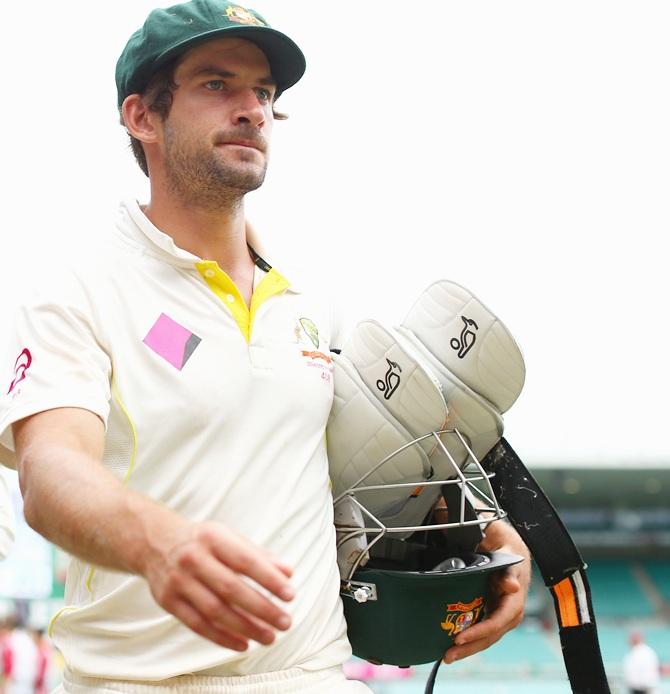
x=467, y=339
x=391, y=379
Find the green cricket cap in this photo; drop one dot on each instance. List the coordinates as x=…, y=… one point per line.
x=168, y=32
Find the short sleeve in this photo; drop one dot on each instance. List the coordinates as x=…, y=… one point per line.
x=55, y=359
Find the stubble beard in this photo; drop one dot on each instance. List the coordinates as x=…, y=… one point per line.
x=200, y=177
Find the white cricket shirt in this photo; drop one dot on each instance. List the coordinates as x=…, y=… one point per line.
x=214, y=410
x=641, y=668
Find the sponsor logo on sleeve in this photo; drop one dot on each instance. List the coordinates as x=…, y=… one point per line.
x=21, y=366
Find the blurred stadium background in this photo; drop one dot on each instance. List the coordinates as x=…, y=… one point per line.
x=618, y=515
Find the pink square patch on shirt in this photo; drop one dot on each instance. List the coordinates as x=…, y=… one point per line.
x=172, y=341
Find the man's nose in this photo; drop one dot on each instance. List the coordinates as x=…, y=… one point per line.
x=248, y=108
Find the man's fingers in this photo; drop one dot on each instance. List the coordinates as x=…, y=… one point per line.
x=506, y=615
x=286, y=570
x=507, y=596
x=224, y=617
x=197, y=623
x=230, y=589
x=506, y=584
x=459, y=652
x=218, y=584
x=477, y=637
x=500, y=621
x=247, y=560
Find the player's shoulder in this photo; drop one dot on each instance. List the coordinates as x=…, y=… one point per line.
x=81, y=272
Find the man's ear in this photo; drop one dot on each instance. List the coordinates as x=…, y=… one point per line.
x=140, y=122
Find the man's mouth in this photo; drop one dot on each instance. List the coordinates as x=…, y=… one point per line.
x=251, y=144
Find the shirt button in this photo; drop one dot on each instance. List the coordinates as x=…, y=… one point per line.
x=230, y=298
x=210, y=273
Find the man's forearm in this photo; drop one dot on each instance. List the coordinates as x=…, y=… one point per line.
x=212, y=579
x=76, y=503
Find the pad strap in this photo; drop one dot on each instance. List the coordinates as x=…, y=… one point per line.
x=559, y=561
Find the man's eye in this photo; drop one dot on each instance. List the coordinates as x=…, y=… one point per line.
x=214, y=85
x=264, y=94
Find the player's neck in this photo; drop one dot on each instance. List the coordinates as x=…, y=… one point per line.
x=211, y=235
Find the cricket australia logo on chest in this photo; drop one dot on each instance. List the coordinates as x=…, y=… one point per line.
x=309, y=343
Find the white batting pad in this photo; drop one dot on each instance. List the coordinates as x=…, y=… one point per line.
x=469, y=341
x=361, y=433
x=452, y=365
x=475, y=418
x=400, y=381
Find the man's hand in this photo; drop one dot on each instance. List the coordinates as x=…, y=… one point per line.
x=216, y=582
x=202, y=579
x=507, y=597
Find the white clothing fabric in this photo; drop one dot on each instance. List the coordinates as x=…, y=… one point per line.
x=295, y=681
x=641, y=668
x=216, y=411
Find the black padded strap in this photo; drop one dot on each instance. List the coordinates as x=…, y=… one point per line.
x=576, y=644
x=532, y=514
x=559, y=561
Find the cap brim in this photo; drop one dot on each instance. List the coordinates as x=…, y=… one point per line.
x=287, y=62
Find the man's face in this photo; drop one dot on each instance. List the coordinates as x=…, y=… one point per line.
x=216, y=138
